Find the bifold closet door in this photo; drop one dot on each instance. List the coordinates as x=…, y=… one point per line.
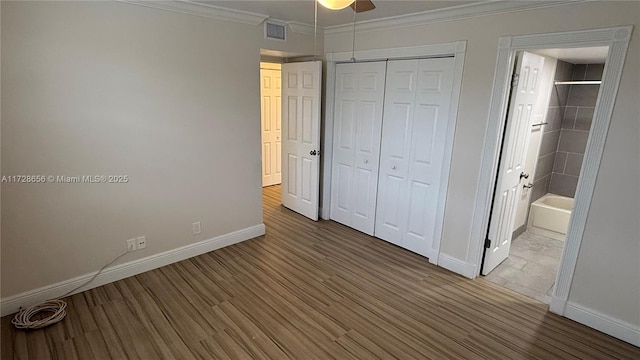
x=359, y=99
x=416, y=114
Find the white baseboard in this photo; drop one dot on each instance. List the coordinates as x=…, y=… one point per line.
x=456, y=265
x=12, y=304
x=557, y=306
x=615, y=327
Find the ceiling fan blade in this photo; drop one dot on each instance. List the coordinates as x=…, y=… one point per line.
x=362, y=5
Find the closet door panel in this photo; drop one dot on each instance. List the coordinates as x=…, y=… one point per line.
x=357, y=128
x=343, y=198
x=343, y=149
x=433, y=97
x=413, y=138
x=399, y=107
x=388, y=212
x=364, y=179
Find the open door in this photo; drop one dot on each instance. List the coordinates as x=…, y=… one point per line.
x=271, y=123
x=301, y=86
x=526, y=87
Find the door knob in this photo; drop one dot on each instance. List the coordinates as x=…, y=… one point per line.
x=527, y=186
x=393, y=167
x=314, y=152
x=524, y=175
x=366, y=161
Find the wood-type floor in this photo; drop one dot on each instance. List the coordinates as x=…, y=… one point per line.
x=308, y=290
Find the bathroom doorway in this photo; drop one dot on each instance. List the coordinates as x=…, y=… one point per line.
x=552, y=104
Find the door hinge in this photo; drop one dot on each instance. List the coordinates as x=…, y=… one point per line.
x=514, y=80
x=487, y=243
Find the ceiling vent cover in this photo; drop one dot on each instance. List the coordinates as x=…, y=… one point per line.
x=275, y=31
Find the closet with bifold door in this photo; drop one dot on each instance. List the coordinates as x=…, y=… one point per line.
x=390, y=128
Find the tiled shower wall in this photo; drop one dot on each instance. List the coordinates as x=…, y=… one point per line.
x=551, y=135
x=565, y=137
x=576, y=123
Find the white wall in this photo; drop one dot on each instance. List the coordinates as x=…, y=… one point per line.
x=171, y=100
x=607, y=275
x=606, y=278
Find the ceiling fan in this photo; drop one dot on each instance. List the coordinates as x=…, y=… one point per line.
x=357, y=5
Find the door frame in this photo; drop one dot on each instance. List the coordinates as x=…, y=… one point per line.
x=511, y=121
x=273, y=66
x=312, y=211
x=617, y=39
x=456, y=50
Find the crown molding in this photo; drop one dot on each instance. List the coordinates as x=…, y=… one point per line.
x=203, y=10
x=302, y=28
x=431, y=16
x=447, y=14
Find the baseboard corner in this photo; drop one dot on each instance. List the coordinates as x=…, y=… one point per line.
x=557, y=305
x=458, y=266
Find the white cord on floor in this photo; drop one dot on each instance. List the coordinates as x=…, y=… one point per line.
x=24, y=318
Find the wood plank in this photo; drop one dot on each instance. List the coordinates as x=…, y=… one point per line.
x=307, y=290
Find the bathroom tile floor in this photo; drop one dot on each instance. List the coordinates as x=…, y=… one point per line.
x=531, y=266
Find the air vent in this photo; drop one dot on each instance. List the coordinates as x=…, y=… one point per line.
x=275, y=31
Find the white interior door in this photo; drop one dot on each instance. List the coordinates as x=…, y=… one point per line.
x=301, y=86
x=535, y=138
x=359, y=101
x=512, y=160
x=416, y=114
x=271, y=122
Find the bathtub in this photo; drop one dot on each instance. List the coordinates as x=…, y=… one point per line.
x=549, y=216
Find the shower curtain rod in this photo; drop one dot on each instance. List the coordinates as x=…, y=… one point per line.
x=597, y=82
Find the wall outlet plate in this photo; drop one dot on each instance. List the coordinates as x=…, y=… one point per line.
x=131, y=245
x=141, y=241
x=196, y=228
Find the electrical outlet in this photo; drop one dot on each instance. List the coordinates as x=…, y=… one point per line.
x=196, y=228
x=141, y=242
x=131, y=245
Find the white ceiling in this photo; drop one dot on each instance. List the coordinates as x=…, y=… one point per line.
x=303, y=10
x=590, y=55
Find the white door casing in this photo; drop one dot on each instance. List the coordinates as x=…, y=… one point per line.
x=356, y=150
x=415, y=122
x=516, y=143
x=301, y=86
x=270, y=81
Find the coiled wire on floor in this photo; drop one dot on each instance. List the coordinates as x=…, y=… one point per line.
x=41, y=315
x=50, y=311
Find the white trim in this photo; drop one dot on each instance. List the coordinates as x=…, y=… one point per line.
x=458, y=266
x=304, y=29
x=609, y=325
x=617, y=39
x=439, y=15
x=452, y=48
x=327, y=138
x=447, y=14
x=12, y=304
x=557, y=305
x=456, y=49
x=458, y=67
x=204, y=10
x=580, y=82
